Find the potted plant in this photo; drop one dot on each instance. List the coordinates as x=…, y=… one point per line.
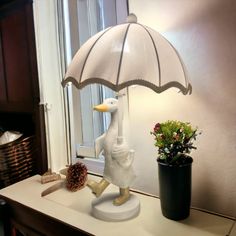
x=174, y=140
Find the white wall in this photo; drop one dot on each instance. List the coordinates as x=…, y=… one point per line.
x=204, y=33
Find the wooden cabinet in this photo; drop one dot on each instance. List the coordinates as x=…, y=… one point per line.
x=18, y=76
x=19, y=85
x=3, y=92
x=22, y=220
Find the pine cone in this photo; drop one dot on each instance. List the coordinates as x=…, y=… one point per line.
x=76, y=176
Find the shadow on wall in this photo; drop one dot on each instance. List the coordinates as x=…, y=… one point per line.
x=215, y=85
x=209, y=37
x=204, y=33
x=206, y=195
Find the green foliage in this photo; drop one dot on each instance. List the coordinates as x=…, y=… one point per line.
x=174, y=140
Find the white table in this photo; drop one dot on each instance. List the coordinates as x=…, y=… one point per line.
x=73, y=209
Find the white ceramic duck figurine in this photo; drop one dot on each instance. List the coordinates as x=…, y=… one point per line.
x=118, y=157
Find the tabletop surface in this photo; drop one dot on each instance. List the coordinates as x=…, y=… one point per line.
x=74, y=208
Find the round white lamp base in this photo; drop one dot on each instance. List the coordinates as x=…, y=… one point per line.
x=103, y=208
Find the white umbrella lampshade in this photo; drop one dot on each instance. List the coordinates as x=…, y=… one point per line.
x=128, y=54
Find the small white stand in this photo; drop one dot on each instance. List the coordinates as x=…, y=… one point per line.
x=103, y=208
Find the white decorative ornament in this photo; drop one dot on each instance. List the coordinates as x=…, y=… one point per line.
x=118, y=157
x=118, y=168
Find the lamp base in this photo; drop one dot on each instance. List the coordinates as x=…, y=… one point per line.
x=103, y=208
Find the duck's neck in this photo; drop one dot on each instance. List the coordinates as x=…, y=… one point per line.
x=114, y=121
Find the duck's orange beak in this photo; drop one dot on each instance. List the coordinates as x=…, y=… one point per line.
x=102, y=108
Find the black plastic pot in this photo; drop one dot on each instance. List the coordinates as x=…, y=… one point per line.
x=175, y=190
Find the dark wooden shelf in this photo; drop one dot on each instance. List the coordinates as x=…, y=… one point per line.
x=17, y=107
x=34, y=223
x=20, y=108
x=9, y=6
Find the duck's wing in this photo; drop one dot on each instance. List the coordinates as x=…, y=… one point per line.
x=99, y=144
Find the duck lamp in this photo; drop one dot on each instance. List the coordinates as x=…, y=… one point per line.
x=118, y=157
x=118, y=57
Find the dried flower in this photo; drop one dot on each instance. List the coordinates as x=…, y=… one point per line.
x=76, y=176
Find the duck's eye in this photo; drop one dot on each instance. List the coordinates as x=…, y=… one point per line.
x=112, y=103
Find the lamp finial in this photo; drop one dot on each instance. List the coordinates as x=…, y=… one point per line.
x=131, y=18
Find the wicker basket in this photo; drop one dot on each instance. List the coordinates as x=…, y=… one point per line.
x=17, y=160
